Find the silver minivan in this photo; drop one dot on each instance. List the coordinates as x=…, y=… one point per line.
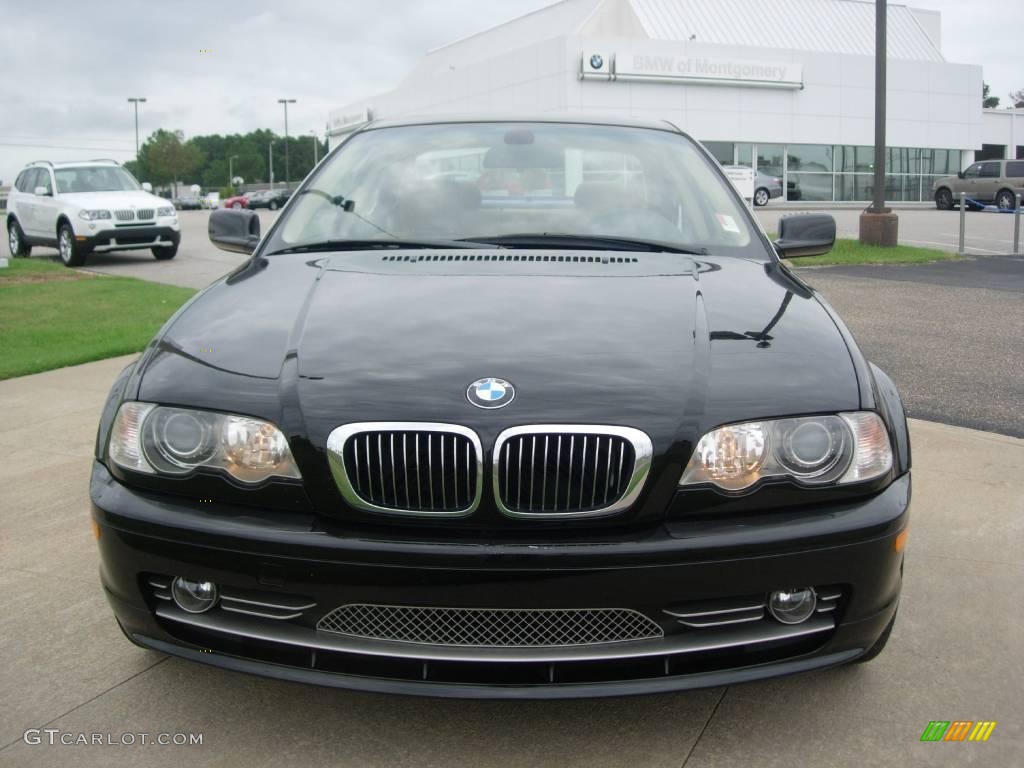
x=987, y=181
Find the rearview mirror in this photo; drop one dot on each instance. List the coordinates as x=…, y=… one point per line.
x=42, y=191
x=233, y=230
x=147, y=187
x=805, y=234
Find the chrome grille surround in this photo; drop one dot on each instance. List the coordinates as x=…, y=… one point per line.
x=592, y=446
x=490, y=627
x=124, y=214
x=428, y=447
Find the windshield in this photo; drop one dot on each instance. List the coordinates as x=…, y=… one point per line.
x=95, y=178
x=480, y=181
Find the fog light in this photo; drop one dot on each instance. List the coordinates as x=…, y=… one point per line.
x=794, y=606
x=194, y=596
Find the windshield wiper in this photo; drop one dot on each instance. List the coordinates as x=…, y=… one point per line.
x=588, y=242
x=369, y=245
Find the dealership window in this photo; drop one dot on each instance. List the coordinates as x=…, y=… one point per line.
x=809, y=158
x=902, y=160
x=809, y=172
x=855, y=159
x=770, y=158
x=722, y=150
x=854, y=186
x=825, y=172
x=810, y=186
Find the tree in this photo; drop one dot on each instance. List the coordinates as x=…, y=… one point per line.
x=1017, y=98
x=166, y=158
x=210, y=160
x=988, y=102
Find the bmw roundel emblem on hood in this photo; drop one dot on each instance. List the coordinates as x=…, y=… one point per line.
x=490, y=393
x=596, y=62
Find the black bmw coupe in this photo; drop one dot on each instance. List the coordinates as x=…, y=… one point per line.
x=523, y=408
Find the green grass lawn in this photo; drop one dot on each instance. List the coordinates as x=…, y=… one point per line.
x=52, y=316
x=848, y=251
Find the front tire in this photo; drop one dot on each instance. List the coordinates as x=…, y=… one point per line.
x=944, y=200
x=164, y=252
x=16, y=240
x=70, y=253
x=761, y=197
x=1006, y=200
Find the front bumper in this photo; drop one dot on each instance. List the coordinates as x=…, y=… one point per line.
x=130, y=238
x=286, y=562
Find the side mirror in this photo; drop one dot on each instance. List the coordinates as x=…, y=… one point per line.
x=805, y=234
x=959, y=174
x=42, y=191
x=147, y=187
x=232, y=230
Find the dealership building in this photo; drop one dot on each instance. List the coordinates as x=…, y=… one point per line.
x=785, y=86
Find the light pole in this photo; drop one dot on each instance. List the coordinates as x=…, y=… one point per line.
x=135, y=101
x=316, y=147
x=287, y=169
x=231, y=170
x=271, y=164
x=878, y=224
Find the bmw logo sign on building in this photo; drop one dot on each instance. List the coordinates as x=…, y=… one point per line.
x=490, y=393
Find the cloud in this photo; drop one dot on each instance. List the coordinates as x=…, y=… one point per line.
x=69, y=66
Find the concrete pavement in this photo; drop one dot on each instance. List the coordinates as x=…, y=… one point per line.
x=956, y=651
x=986, y=234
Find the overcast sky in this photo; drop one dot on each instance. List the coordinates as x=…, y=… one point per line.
x=67, y=66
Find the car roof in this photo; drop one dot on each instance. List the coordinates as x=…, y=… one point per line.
x=546, y=117
x=74, y=163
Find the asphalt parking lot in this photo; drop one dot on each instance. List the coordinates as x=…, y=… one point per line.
x=986, y=233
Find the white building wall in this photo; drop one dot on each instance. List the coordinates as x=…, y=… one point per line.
x=533, y=78
x=930, y=104
x=1003, y=127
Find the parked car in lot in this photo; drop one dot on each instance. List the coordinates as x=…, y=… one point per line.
x=989, y=181
x=188, y=203
x=597, y=442
x=86, y=207
x=765, y=187
x=236, y=201
x=272, y=199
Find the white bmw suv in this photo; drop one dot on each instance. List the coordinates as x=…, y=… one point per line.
x=87, y=207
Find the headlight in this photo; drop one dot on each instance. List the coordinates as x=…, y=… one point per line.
x=93, y=215
x=176, y=441
x=813, y=450
x=168, y=211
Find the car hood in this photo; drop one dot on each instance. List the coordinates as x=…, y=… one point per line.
x=659, y=342
x=114, y=200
